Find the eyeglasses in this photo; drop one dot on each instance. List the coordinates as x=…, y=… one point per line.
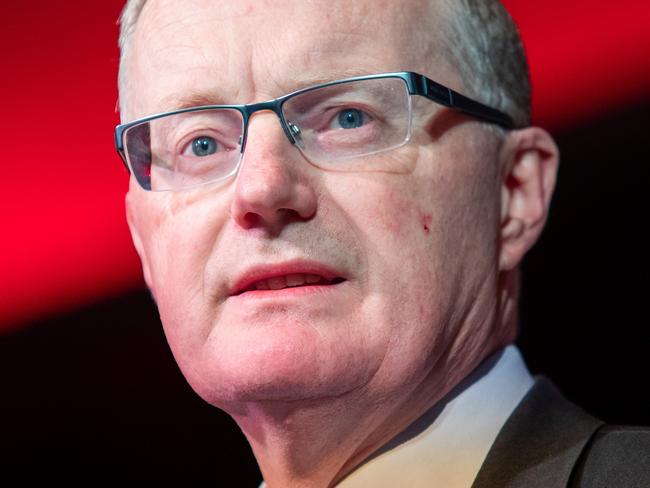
x=335, y=125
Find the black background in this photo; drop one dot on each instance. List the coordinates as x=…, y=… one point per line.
x=94, y=397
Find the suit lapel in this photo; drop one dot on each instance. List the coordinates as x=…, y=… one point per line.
x=539, y=444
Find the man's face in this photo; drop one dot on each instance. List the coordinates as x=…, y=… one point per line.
x=395, y=272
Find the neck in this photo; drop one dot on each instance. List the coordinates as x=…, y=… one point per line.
x=317, y=443
x=299, y=444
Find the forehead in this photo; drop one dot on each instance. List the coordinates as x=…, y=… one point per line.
x=251, y=50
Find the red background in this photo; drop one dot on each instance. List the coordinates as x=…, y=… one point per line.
x=64, y=238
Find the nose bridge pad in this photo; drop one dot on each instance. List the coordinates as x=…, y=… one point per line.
x=291, y=130
x=288, y=127
x=295, y=134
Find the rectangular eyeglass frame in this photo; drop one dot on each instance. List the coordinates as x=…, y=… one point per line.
x=416, y=84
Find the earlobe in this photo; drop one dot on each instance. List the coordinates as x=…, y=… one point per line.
x=529, y=160
x=137, y=241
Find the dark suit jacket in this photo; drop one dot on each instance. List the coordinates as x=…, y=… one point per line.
x=550, y=443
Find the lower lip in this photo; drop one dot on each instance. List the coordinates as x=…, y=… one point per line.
x=290, y=292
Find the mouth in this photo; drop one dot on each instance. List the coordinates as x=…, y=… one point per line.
x=283, y=278
x=290, y=281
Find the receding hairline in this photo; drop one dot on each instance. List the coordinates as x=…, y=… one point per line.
x=420, y=41
x=444, y=30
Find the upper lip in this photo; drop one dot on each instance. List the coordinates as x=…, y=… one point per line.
x=261, y=272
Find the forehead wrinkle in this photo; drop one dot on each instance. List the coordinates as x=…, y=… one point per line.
x=310, y=66
x=324, y=47
x=330, y=54
x=274, y=65
x=185, y=40
x=179, y=31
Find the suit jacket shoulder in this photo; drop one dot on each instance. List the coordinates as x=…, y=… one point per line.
x=549, y=442
x=616, y=456
x=540, y=443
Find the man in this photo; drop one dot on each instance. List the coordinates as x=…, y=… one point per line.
x=335, y=254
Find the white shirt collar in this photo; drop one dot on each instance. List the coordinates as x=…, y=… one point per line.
x=448, y=444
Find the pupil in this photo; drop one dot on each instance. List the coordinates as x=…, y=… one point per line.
x=204, y=146
x=351, y=119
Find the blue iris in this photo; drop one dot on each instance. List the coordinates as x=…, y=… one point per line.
x=204, y=146
x=351, y=118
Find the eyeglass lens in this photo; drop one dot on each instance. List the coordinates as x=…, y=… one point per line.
x=334, y=126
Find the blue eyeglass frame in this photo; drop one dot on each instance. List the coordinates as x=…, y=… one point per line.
x=416, y=84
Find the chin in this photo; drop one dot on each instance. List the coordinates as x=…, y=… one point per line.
x=284, y=370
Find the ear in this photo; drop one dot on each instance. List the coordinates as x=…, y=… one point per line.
x=530, y=161
x=137, y=240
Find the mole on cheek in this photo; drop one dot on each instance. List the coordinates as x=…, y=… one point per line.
x=425, y=219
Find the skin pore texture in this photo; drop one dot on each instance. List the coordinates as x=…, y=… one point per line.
x=320, y=377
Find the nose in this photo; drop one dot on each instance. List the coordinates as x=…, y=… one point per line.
x=274, y=186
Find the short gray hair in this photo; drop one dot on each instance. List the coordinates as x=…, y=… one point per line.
x=481, y=38
x=127, y=23
x=487, y=51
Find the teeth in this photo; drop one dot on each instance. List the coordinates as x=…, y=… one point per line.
x=312, y=278
x=280, y=282
x=295, y=280
x=277, y=283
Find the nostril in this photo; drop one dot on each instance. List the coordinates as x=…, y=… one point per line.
x=296, y=135
x=251, y=219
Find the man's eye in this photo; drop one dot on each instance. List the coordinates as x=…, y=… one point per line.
x=350, y=118
x=204, y=146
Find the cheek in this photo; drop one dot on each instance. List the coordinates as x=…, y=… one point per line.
x=417, y=205
x=428, y=238
x=392, y=215
x=178, y=238
x=399, y=231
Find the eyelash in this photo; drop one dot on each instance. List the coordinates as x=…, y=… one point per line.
x=331, y=113
x=186, y=142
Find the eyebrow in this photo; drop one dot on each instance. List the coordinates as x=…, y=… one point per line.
x=189, y=100
x=202, y=98
x=306, y=81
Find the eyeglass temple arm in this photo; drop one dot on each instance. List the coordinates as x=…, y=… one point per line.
x=449, y=98
x=119, y=145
